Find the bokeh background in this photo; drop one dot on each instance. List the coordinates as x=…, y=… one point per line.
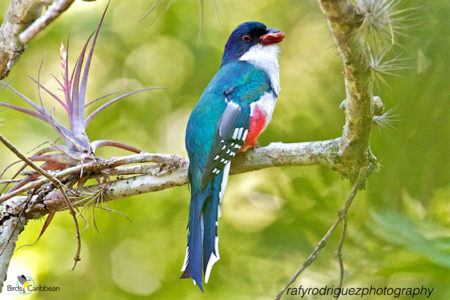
x=272, y=219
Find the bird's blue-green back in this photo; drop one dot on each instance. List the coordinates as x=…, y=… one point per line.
x=241, y=83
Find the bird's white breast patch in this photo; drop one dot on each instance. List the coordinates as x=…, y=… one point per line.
x=265, y=58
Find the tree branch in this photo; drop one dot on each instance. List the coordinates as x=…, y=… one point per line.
x=342, y=216
x=10, y=228
x=356, y=161
x=56, y=182
x=169, y=171
x=344, y=20
x=57, y=8
x=23, y=22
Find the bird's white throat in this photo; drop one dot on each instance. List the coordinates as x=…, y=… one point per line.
x=265, y=58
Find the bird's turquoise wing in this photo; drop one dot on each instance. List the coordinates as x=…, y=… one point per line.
x=215, y=117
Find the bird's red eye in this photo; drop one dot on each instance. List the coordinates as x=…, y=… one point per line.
x=246, y=38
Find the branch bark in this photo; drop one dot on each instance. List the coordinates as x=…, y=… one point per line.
x=22, y=23
x=57, y=8
x=11, y=227
x=344, y=20
x=169, y=171
x=356, y=161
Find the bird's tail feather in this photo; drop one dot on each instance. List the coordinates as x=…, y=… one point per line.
x=202, y=250
x=193, y=262
x=210, y=236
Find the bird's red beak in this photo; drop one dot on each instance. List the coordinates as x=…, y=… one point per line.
x=273, y=36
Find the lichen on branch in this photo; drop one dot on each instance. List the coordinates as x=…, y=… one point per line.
x=344, y=20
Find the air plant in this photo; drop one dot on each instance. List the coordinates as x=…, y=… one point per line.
x=382, y=21
x=386, y=120
x=76, y=147
x=380, y=66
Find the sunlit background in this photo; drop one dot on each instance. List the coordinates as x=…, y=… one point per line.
x=272, y=219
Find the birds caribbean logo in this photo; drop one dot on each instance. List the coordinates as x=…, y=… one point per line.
x=27, y=284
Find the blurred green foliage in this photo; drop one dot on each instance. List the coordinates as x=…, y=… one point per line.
x=272, y=219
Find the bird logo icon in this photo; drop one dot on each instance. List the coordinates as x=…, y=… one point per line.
x=27, y=284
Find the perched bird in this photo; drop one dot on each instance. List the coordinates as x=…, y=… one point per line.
x=233, y=110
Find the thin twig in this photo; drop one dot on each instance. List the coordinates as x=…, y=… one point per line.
x=310, y=258
x=339, y=252
x=56, y=182
x=341, y=216
x=19, y=154
x=8, y=181
x=56, y=9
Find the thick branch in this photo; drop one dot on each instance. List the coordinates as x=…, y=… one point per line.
x=356, y=162
x=100, y=166
x=10, y=228
x=296, y=154
x=171, y=171
x=344, y=20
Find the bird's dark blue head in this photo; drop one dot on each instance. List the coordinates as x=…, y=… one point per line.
x=246, y=36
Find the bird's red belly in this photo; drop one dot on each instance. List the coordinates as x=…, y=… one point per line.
x=257, y=125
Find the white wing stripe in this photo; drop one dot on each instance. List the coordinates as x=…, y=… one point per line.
x=235, y=133
x=245, y=134
x=240, y=133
